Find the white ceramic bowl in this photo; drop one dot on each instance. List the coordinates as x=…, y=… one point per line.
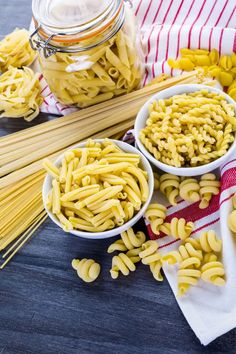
x=140, y=123
x=47, y=185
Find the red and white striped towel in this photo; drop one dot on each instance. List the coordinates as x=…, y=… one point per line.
x=166, y=26
x=209, y=310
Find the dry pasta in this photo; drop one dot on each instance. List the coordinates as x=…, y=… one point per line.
x=150, y=256
x=15, y=50
x=20, y=94
x=95, y=76
x=87, y=269
x=209, y=186
x=169, y=186
x=213, y=271
x=114, y=189
x=197, y=259
x=123, y=263
x=189, y=190
x=129, y=240
x=184, y=252
x=220, y=67
x=209, y=242
x=156, y=181
x=16, y=179
x=156, y=214
x=189, y=129
x=232, y=216
x=178, y=228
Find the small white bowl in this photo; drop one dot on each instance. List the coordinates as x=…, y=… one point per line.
x=47, y=185
x=142, y=117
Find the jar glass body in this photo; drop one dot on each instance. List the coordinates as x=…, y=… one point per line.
x=108, y=69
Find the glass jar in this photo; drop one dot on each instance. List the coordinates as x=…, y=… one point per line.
x=88, y=49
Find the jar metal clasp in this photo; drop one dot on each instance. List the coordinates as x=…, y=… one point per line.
x=37, y=44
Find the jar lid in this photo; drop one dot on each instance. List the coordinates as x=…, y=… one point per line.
x=74, y=25
x=63, y=15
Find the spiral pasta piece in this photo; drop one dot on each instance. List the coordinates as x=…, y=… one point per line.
x=187, y=253
x=156, y=181
x=189, y=190
x=186, y=277
x=122, y=263
x=129, y=240
x=209, y=242
x=213, y=271
x=232, y=216
x=209, y=186
x=151, y=257
x=169, y=186
x=178, y=228
x=232, y=221
x=155, y=214
x=87, y=269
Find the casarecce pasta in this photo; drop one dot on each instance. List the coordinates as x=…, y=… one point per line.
x=87, y=269
x=97, y=188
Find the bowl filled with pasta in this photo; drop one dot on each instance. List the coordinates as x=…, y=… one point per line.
x=98, y=189
x=187, y=130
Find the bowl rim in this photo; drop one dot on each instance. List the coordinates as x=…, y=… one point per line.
x=182, y=171
x=115, y=231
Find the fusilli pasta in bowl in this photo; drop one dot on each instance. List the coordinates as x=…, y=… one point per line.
x=98, y=189
x=187, y=130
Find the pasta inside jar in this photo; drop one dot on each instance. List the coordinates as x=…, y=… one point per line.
x=95, y=64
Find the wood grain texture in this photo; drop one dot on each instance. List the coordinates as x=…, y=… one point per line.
x=45, y=308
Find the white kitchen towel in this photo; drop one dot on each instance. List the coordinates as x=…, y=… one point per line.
x=165, y=27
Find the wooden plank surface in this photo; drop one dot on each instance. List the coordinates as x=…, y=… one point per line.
x=45, y=308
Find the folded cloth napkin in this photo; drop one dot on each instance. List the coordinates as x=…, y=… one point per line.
x=166, y=26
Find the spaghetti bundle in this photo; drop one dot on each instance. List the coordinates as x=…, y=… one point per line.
x=21, y=155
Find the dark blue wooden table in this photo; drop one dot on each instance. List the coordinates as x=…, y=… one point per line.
x=45, y=308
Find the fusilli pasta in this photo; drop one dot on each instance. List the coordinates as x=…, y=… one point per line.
x=189, y=129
